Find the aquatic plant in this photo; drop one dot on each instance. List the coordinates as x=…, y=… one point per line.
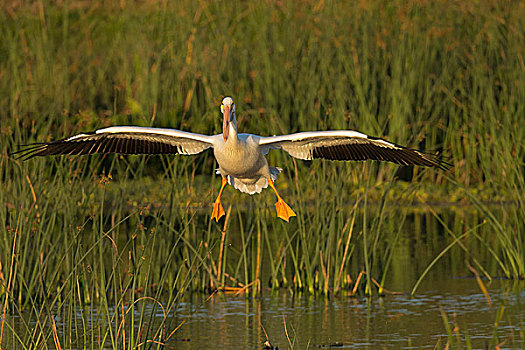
x=131, y=234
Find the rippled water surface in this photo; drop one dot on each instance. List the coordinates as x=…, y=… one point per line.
x=389, y=322
x=395, y=321
x=448, y=301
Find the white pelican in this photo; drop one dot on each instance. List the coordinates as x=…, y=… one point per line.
x=241, y=157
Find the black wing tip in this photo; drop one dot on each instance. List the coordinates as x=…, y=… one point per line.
x=396, y=154
x=28, y=151
x=431, y=159
x=438, y=164
x=104, y=144
x=443, y=165
x=434, y=160
x=31, y=150
x=417, y=157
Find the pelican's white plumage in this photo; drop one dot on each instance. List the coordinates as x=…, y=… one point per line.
x=241, y=157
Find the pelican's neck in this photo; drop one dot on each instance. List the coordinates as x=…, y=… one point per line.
x=232, y=136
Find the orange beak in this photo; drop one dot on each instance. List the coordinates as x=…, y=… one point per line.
x=226, y=122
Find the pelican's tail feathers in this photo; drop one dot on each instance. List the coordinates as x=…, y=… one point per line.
x=253, y=185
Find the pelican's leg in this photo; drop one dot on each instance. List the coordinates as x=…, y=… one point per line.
x=283, y=210
x=218, y=210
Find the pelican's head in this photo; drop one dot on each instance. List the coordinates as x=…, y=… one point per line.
x=228, y=111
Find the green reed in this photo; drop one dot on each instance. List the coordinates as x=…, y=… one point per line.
x=72, y=237
x=87, y=242
x=411, y=73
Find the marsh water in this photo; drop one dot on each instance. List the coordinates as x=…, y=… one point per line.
x=393, y=322
x=390, y=322
x=449, y=301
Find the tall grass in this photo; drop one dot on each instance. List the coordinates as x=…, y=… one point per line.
x=114, y=230
x=413, y=73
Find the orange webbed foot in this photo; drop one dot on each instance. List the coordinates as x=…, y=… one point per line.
x=283, y=210
x=218, y=211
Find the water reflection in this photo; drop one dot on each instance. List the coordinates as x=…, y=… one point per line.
x=389, y=322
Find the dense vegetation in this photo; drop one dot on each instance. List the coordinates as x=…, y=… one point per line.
x=441, y=76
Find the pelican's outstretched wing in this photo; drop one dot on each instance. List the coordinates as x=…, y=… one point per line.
x=125, y=140
x=348, y=145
